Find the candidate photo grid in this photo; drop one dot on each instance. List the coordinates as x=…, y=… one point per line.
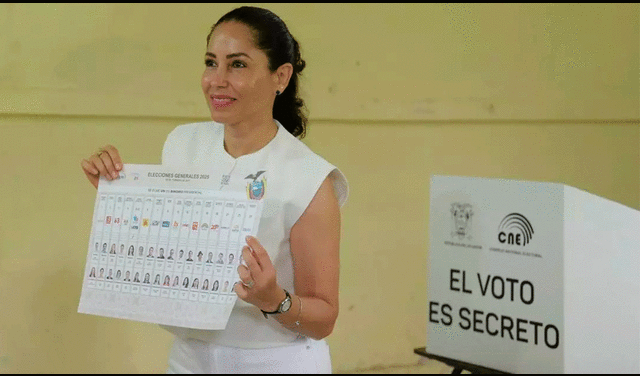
x=177, y=248
x=158, y=253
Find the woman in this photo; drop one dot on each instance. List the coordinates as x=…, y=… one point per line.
x=289, y=280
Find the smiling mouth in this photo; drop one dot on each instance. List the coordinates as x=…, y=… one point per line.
x=222, y=102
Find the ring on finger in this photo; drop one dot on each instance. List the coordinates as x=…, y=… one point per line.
x=249, y=284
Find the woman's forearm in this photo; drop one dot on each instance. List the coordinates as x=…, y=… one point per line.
x=315, y=317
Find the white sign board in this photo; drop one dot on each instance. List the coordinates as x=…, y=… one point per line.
x=532, y=277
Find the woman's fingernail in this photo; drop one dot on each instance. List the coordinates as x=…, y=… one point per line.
x=247, y=238
x=114, y=175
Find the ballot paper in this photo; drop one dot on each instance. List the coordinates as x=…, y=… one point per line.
x=165, y=246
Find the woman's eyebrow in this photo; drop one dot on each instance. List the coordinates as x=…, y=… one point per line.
x=230, y=56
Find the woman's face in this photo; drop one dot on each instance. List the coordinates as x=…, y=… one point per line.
x=236, y=82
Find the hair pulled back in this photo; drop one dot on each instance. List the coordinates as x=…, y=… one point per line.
x=271, y=35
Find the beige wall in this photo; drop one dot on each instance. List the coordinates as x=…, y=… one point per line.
x=396, y=93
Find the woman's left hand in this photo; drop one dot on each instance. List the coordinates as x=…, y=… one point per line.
x=258, y=284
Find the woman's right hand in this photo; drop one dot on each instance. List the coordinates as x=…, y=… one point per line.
x=106, y=162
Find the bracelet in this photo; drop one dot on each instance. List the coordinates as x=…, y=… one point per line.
x=299, y=311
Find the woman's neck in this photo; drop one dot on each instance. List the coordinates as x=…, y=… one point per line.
x=246, y=138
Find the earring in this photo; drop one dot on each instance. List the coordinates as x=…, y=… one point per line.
x=277, y=92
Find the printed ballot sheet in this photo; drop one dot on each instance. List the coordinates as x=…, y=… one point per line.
x=165, y=246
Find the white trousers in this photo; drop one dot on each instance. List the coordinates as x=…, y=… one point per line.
x=305, y=355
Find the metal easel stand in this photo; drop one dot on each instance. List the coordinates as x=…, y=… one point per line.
x=458, y=366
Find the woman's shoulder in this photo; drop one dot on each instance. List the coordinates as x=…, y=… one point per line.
x=189, y=130
x=305, y=163
x=185, y=140
x=296, y=149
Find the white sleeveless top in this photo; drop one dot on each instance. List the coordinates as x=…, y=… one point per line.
x=285, y=174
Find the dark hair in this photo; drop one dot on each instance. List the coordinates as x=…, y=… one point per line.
x=272, y=36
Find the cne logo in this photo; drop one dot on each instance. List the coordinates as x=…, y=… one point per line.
x=516, y=229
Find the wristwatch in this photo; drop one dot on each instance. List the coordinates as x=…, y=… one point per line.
x=283, y=307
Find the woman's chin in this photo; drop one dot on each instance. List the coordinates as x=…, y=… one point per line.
x=219, y=117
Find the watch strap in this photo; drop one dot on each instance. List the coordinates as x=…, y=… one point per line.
x=279, y=310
